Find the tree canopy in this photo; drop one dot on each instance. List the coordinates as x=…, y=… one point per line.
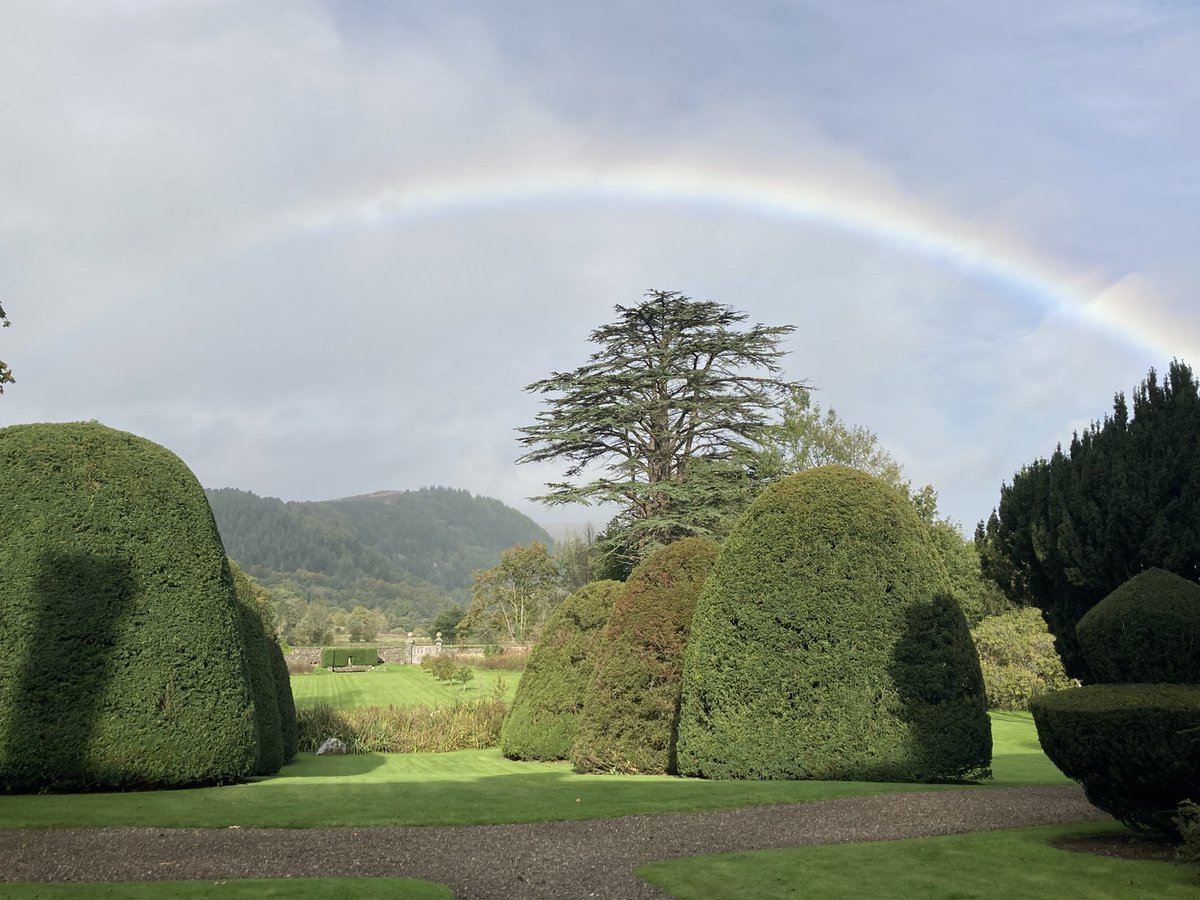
x=1124, y=497
x=676, y=392
x=512, y=600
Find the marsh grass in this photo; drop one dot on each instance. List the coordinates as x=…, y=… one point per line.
x=406, y=729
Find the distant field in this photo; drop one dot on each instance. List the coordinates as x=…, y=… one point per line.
x=394, y=684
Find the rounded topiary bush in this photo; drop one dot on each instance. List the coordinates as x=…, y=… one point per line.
x=1147, y=630
x=544, y=720
x=1134, y=747
x=825, y=645
x=120, y=658
x=274, y=707
x=1018, y=659
x=631, y=707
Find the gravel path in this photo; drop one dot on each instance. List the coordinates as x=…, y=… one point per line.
x=593, y=858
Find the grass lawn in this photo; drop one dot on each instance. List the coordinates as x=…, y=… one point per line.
x=394, y=684
x=480, y=786
x=1016, y=863
x=246, y=889
x=468, y=787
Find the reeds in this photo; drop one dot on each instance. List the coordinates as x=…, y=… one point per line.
x=406, y=729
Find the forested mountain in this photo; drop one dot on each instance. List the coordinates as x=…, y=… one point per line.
x=408, y=553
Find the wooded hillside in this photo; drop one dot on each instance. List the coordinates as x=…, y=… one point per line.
x=410, y=553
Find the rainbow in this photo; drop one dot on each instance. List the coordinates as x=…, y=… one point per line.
x=1124, y=309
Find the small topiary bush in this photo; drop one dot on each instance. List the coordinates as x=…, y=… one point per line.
x=1018, y=659
x=337, y=657
x=820, y=648
x=631, y=706
x=1134, y=747
x=1147, y=630
x=111, y=560
x=544, y=721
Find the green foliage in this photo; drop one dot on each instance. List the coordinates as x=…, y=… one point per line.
x=463, y=675
x=1134, y=747
x=544, y=721
x=441, y=666
x=512, y=600
x=823, y=645
x=1018, y=659
x=257, y=648
x=348, y=656
x=111, y=561
x=446, y=622
x=1124, y=497
x=806, y=437
x=1147, y=630
x=673, y=382
x=631, y=706
x=1187, y=825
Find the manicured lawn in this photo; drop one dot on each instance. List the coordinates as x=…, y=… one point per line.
x=394, y=684
x=247, y=889
x=1017, y=863
x=467, y=787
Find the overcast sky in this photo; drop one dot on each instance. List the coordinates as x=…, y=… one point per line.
x=318, y=249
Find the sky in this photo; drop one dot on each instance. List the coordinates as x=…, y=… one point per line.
x=319, y=248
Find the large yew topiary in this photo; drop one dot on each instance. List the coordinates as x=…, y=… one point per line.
x=270, y=685
x=1147, y=630
x=632, y=703
x=120, y=658
x=544, y=720
x=825, y=645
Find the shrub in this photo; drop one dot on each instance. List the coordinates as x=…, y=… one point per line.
x=824, y=647
x=1018, y=659
x=337, y=657
x=270, y=681
x=631, y=706
x=111, y=560
x=441, y=666
x=268, y=728
x=1187, y=826
x=1147, y=630
x=1134, y=747
x=544, y=720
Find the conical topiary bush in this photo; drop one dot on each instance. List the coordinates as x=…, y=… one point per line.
x=544, y=720
x=825, y=645
x=632, y=703
x=120, y=659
